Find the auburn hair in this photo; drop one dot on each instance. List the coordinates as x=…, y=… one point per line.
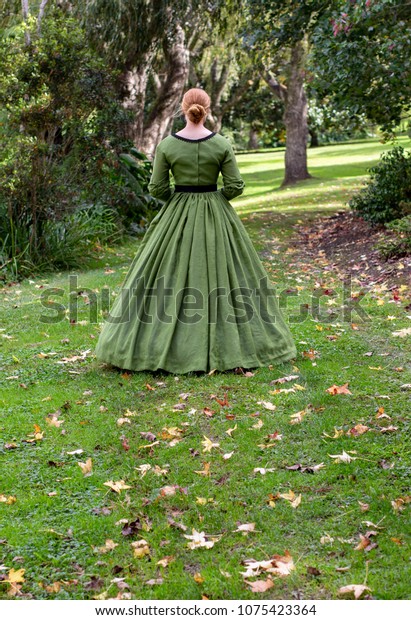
x=196, y=104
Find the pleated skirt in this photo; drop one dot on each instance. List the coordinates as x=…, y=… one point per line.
x=196, y=296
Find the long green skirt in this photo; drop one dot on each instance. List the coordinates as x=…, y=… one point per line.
x=196, y=296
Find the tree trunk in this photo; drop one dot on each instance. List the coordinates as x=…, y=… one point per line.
x=314, y=137
x=295, y=119
x=134, y=84
x=253, y=138
x=169, y=93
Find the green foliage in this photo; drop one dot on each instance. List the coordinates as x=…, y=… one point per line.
x=260, y=110
x=73, y=240
x=331, y=124
x=62, y=130
x=388, y=191
x=400, y=243
x=361, y=56
x=136, y=169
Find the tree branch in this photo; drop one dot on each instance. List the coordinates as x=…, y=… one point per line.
x=25, y=9
x=40, y=15
x=278, y=89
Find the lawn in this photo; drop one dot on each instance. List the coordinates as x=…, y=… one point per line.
x=94, y=460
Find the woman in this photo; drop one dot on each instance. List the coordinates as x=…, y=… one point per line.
x=196, y=296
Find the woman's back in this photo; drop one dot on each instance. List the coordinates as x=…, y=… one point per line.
x=195, y=162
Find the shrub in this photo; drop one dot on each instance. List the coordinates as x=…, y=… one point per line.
x=62, y=129
x=388, y=190
x=400, y=244
x=136, y=169
x=72, y=240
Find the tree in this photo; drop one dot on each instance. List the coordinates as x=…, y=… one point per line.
x=61, y=126
x=151, y=43
x=278, y=35
x=361, y=59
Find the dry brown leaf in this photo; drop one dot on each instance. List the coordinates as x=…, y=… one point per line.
x=297, y=418
x=245, y=528
x=364, y=507
x=277, y=564
x=54, y=421
x=15, y=576
x=357, y=590
x=230, y=431
x=86, y=467
x=141, y=548
x=205, y=471
x=267, y=405
x=337, y=433
x=198, y=539
x=358, y=429
x=117, y=486
x=342, y=458
x=292, y=498
x=338, y=389
x=284, y=379
x=164, y=562
x=260, y=585
x=228, y=455
x=122, y=421
x=108, y=546
x=8, y=499
x=208, y=444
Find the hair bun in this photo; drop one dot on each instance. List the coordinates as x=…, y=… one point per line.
x=196, y=112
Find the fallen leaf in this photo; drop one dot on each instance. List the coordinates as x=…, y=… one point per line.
x=358, y=429
x=327, y=539
x=364, y=507
x=86, y=467
x=54, y=421
x=208, y=444
x=338, y=389
x=267, y=405
x=337, y=433
x=8, y=499
x=164, y=562
x=258, y=424
x=122, y=421
x=143, y=469
x=357, y=590
x=402, y=333
x=205, y=471
x=284, y=379
x=263, y=470
x=230, y=431
x=108, y=546
x=117, y=486
x=245, y=528
x=260, y=585
x=342, y=458
x=15, y=576
x=141, y=548
x=198, y=539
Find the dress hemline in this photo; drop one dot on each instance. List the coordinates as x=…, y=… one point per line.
x=284, y=357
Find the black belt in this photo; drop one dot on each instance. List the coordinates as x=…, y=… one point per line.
x=195, y=188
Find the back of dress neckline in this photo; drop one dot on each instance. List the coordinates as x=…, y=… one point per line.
x=210, y=135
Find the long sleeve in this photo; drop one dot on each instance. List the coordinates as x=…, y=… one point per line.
x=159, y=185
x=233, y=183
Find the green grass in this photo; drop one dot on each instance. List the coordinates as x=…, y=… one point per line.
x=56, y=522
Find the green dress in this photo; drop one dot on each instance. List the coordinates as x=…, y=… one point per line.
x=196, y=296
